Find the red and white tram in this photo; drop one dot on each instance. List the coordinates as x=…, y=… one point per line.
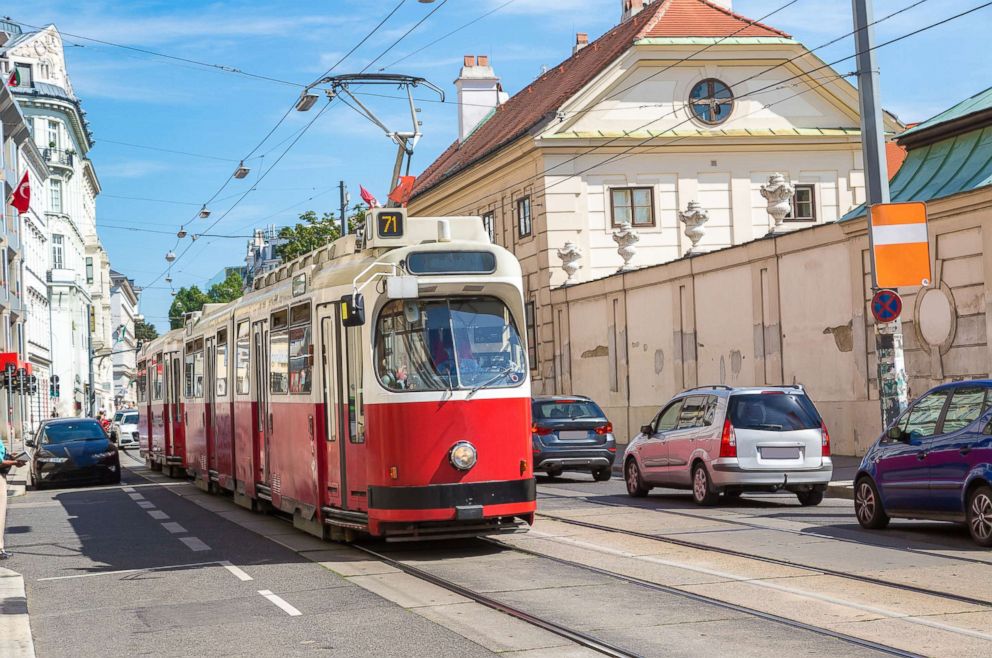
x=378, y=385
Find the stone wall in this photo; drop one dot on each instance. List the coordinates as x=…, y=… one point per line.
x=791, y=309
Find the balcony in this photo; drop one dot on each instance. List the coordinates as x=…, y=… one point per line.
x=60, y=159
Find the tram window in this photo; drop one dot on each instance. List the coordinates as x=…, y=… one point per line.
x=157, y=365
x=220, y=363
x=280, y=320
x=300, y=314
x=189, y=370
x=279, y=362
x=300, y=360
x=355, y=391
x=142, y=381
x=242, y=357
x=436, y=345
x=198, y=368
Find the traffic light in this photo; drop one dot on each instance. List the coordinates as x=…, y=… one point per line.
x=53, y=386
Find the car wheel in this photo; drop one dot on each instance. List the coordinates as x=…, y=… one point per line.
x=702, y=490
x=602, y=474
x=554, y=472
x=810, y=498
x=980, y=516
x=868, y=505
x=635, y=483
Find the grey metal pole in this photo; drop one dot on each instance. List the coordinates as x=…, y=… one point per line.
x=892, y=388
x=344, y=208
x=91, y=399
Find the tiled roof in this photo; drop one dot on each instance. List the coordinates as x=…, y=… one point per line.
x=540, y=100
x=699, y=18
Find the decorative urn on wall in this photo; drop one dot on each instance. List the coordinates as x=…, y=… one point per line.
x=778, y=192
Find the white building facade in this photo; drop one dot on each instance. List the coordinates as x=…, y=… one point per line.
x=123, y=314
x=77, y=272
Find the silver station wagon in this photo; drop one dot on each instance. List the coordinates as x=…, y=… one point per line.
x=721, y=440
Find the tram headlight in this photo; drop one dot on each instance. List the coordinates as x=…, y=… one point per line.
x=463, y=455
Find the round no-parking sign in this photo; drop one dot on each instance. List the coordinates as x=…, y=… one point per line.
x=886, y=306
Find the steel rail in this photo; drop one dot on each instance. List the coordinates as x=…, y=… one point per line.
x=701, y=598
x=580, y=638
x=826, y=571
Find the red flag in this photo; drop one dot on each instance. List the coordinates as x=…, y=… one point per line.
x=15, y=78
x=368, y=198
x=21, y=197
x=403, y=191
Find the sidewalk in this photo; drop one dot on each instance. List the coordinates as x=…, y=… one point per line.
x=15, y=627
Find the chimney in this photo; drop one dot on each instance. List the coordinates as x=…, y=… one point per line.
x=479, y=93
x=630, y=8
x=581, y=41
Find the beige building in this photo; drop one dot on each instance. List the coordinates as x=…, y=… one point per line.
x=796, y=308
x=684, y=101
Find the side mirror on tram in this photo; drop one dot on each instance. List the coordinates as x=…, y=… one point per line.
x=353, y=310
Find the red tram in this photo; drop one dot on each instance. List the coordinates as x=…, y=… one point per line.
x=411, y=424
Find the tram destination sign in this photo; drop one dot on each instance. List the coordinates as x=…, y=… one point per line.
x=390, y=223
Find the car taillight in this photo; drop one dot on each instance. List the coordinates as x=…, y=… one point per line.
x=728, y=442
x=825, y=442
x=605, y=429
x=540, y=431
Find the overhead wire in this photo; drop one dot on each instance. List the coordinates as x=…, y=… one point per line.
x=405, y=35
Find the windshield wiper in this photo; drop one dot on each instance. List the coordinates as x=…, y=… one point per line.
x=488, y=383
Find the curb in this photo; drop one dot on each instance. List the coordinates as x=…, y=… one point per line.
x=841, y=489
x=15, y=626
x=17, y=484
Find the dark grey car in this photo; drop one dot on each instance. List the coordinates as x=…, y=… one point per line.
x=571, y=433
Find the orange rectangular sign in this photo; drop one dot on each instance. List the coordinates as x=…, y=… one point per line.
x=901, y=255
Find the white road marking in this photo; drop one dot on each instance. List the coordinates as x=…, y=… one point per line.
x=128, y=489
x=174, y=528
x=146, y=504
x=194, y=544
x=158, y=514
x=123, y=571
x=135, y=496
x=238, y=573
x=281, y=603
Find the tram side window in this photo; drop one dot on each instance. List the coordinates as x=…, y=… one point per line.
x=300, y=350
x=157, y=366
x=194, y=369
x=279, y=353
x=188, y=371
x=355, y=391
x=242, y=357
x=142, y=381
x=220, y=364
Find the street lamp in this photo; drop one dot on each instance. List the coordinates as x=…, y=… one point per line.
x=204, y=213
x=170, y=256
x=182, y=232
x=306, y=101
x=241, y=171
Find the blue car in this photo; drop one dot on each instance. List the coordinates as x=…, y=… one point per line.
x=571, y=433
x=935, y=462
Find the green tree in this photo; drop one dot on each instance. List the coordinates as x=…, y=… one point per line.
x=144, y=331
x=227, y=290
x=313, y=232
x=187, y=300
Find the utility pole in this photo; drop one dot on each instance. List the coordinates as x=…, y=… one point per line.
x=344, y=207
x=892, y=389
x=91, y=397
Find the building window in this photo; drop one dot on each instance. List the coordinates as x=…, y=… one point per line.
x=633, y=205
x=523, y=217
x=531, y=335
x=53, y=134
x=58, y=252
x=711, y=101
x=23, y=75
x=89, y=269
x=55, y=194
x=489, y=221
x=803, y=204
x=45, y=70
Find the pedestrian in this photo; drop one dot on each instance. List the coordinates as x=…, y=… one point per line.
x=6, y=463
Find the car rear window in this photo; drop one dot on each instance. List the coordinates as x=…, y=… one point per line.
x=566, y=410
x=78, y=431
x=773, y=412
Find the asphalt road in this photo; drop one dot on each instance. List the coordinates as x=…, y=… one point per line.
x=137, y=571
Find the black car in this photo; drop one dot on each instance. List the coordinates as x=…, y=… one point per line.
x=73, y=451
x=571, y=433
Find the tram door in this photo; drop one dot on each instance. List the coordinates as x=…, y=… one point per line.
x=210, y=398
x=332, y=453
x=263, y=419
x=352, y=401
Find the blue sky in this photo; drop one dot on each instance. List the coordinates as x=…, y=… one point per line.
x=152, y=102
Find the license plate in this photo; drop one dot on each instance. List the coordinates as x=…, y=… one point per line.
x=779, y=453
x=572, y=435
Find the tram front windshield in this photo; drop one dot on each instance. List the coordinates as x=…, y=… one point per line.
x=446, y=344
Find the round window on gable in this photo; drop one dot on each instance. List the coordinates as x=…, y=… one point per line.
x=711, y=101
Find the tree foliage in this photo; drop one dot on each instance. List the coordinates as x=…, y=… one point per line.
x=227, y=290
x=313, y=232
x=192, y=299
x=144, y=331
